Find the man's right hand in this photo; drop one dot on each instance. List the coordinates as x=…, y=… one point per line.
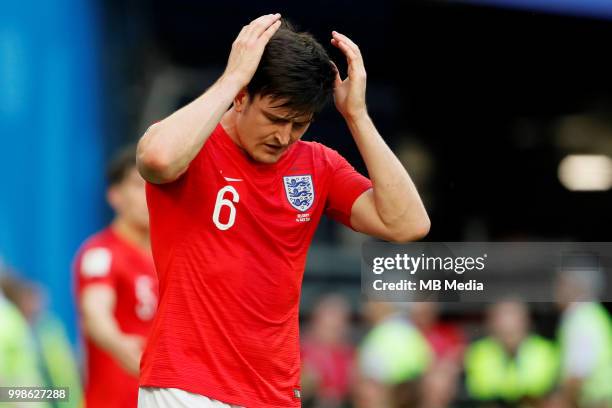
x=99, y=323
x=168, y=147
x=128, y=351
x=248, y=48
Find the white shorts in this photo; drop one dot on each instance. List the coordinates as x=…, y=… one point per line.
x=151, y=397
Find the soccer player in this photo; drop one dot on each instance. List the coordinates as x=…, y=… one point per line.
x=234, y=200
x=116, y=289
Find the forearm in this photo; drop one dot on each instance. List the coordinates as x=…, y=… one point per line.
x=103, y=331
x=168, y=147
x=397, y=200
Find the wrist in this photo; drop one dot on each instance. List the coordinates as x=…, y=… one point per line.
x=115, y=344
x=231, y=82
x=356, y=118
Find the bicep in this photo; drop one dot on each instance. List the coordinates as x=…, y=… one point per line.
x=365, y=218
x=153, y=160
x=97, y=301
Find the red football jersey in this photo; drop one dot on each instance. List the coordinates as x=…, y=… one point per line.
x=229, y=239
x=105, y=258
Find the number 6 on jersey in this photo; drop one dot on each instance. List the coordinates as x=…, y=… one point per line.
x=225, y=202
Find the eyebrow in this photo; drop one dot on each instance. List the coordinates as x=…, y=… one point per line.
x=280, y=118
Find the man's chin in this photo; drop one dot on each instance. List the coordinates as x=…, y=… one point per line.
x=266, y=158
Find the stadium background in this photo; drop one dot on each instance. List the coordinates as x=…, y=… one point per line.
x=482, y=100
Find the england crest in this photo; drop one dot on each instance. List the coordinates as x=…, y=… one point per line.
x=299, y=191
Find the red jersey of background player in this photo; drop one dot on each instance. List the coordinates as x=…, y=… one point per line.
x=229, y=239
x=107, y=259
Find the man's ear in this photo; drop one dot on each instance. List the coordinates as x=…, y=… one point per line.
x=112, y=197
x=241, y=100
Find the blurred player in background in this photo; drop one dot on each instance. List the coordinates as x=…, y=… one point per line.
x=235, y=198
x=327, y=354
x=117, y=291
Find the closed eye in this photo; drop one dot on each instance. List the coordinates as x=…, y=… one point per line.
x=278, y=120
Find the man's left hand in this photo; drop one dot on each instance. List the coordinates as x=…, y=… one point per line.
x=349, y=95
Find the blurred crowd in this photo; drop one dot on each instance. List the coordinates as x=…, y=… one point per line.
x=34, y=347
x=391, y=355
x=410, y=356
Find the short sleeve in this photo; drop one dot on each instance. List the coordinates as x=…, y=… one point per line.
x=346, y=186
x=94, y=266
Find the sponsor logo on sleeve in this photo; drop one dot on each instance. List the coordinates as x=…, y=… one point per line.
x=96, y=262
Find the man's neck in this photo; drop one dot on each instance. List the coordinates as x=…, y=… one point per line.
x=136, y=236
x=228, y=121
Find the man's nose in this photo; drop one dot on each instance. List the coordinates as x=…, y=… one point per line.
x=284, y=134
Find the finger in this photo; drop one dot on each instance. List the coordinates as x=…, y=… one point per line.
x=260, y=25
x=345, y=39
x=242, y=34
x=265, y=37
x=261, y=19
x=249, y=28
x=337, y=79
x=356, y=67
x=139, y=340
x=247, y=31
x=348, y=41
x=348, y=52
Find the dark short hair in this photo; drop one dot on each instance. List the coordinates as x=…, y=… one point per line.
x=120, y=164
x=295, y=70
x=14, y=287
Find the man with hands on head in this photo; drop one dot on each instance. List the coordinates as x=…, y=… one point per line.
x=234, y=199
